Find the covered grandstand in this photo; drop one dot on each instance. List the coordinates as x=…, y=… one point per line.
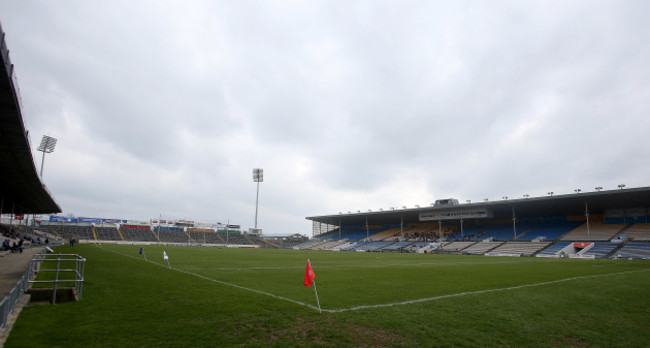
x=610, y=220
x=21, y=189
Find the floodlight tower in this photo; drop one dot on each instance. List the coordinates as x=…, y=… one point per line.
x=258, y=177
x=47, y=145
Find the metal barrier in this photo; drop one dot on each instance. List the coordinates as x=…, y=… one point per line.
x=56, y=263
x=11, y=299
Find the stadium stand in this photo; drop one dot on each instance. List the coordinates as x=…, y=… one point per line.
x=427, y=232
x=137, y=233
x=352, y=246
x=315, y=244
x=172, y=235
x=343, y=246
x=68, y=231
x=497, y=232
x=598, y=231
x=213, y=238
x=308, y=244
x=481, y=248
x=634, y=250
x=107, y=233
x=328, y=245
x=53, y=231
x=377, y=246
x=390, y=233
x=637, y=232
x=398, y=247
x=519, y=248
x=252, y=239
x=468, y=233
x=553, y=249
x=352, y=233
x=269, y=244
x=504, y=232
x=332, y=234
x=456, y=246
x=424, y=247
x=286, y=242
x=549, y=231
x=205, y=236
x=602, y=249
x=236, y=238
x=423, y=227
x=367, y=246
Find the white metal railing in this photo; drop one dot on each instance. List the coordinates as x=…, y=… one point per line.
x=67, y=269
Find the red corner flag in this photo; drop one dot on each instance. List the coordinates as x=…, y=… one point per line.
x=309, y=275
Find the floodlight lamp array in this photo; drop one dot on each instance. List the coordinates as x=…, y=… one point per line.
x=258, y=175
x=47, y=144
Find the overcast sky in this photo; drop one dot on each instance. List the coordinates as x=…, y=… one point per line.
x=165, y=107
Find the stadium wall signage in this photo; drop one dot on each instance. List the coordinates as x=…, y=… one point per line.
x=67, y=219
x=476, y=213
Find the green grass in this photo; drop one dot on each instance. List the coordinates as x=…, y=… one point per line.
x=131, y=303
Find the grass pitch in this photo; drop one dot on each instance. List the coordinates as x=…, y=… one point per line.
x=254, y=297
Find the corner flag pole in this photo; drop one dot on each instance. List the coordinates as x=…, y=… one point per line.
x=317, y=301
x=316, y=292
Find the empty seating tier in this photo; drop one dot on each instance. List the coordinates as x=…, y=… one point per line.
x=107, y=233
x=598, y=231
x=638, y=232
x=601, y=249
x=634, y=250
x=553, y=249
x=519, y=248
x=137, y=233
x=481, y=248
x=548, y=231
x=73, y=231
x=456, y=246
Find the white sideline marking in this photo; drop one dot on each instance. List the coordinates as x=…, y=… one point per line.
x=476, y=292
x=381, y=305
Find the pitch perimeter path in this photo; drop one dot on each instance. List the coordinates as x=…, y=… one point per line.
x=391, y=304
x=13, y=266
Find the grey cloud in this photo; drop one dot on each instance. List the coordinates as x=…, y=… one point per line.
x=180, y=101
